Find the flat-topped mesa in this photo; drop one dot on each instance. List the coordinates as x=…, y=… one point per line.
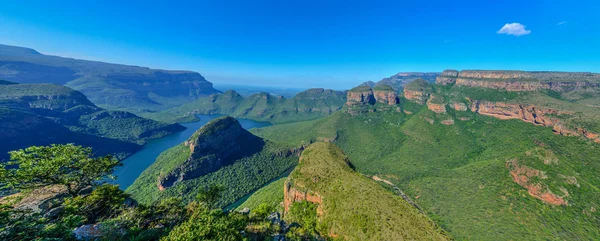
x=216, y=144
x=447, y=77
x=365, y=95
x=511, y=80
x=385, y=94
x=417, y=91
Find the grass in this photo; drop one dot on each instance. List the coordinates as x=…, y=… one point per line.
x=356, y=207
x=271, y=194
x=458, y=173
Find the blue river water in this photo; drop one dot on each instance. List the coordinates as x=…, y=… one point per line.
x=135, y=164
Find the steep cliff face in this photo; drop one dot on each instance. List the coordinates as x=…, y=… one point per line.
x=364, y=95
x=520, y=80
x=436, y=104
x=360, y=96
x=447, y=77
x=532, y=114
x=218, y=143
x=417, y=91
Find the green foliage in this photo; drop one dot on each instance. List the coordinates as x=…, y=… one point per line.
x=239, y=179
x=68, y=165
x=459, y=172
x=306, y=105
x=210, y=195
x=271, y=195
x=209, y=225
x=104, y=201
x=305, y=214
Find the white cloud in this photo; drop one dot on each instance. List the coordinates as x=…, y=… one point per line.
x=561, y=23
x=515, y=29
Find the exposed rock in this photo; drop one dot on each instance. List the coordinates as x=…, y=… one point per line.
x=216, y=144
x=459, y=106
x=360, y=96
x=292, y=194
x=532, y=114
x=526, y=81
x=245, y=211
x=523, y=176
x=447, y=77
x=417, y=91
x=88, y=232
x=436, y=104
x=448, y=122
x=386, y=97
x=53, y=213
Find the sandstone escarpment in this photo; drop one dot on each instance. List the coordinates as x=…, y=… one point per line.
x=216, y=144
x=436, y=104
x=447, y=77
x=364, y=95
x=417, y=91
x=521, y=80
x=360, y=96
x=532, y=114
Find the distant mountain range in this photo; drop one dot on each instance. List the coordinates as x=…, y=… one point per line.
x=111, y=86
x=44, y=114
x=306, y=105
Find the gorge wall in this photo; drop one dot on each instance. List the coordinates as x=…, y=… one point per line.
x=519, y=80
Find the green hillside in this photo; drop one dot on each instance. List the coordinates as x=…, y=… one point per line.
x=42, y=114
x=223, y=154
x=351, y=206
x=460, y=174
x=111, y=86
x=307, y=105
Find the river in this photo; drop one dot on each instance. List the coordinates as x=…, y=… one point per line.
x=135, y=164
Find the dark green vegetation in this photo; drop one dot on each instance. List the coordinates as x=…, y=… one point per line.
x=110, y=86
x=45, y=211
x=460, y=174
x=307, y=105
x=352, y=206
x=399, y=80
x=220, y=153
x=44, y=114
x=68, y=166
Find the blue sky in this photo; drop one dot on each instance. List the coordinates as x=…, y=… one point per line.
x=310, y=43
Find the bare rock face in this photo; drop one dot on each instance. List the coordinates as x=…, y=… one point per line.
x=386, y=97
x=292, y=195
x=459, y=106
x=447, y=77
x=216, y=144
x=531, y=114
x=525, y=176
x=521, y=80
x=360, y=96
x=417, y=91
x=436, y=104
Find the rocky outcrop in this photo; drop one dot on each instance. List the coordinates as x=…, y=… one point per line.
x=361, y=95
x=525, y=176
x=447, y=77
x=291, y=195
x=216, y=144
x=436, y=104
x=417, y=91
x=364, y=95
x=532, y=114
x=520, y=80
x=386, y=97
x=459, y=106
